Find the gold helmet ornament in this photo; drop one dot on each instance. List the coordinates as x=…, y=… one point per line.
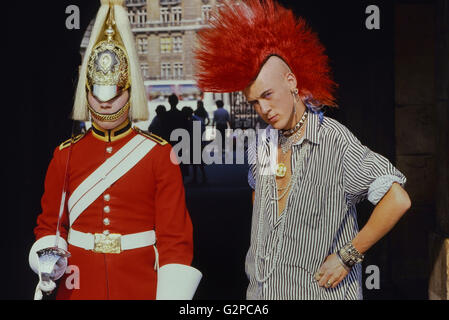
x=107, y=70
x=110, y=66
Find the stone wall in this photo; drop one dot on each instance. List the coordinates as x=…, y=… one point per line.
x=439, y=245
x=415, y=118
x=421, y=247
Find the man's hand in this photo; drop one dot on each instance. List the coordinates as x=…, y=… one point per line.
x=331, y=272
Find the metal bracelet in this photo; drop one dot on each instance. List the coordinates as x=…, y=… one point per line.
x=347, y=268
x=349, y=255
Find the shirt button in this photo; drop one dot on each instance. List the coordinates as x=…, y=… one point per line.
x=109, y=149
x=107, y=197
x=106, y=221
x=107, y=209
x=106, y=232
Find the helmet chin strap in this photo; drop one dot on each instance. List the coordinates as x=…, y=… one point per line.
x=109, y=117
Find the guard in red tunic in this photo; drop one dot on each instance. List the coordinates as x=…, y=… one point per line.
x=123, y=217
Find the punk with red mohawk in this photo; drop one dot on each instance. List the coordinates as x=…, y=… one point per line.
x=310, y=172
x=243, y=35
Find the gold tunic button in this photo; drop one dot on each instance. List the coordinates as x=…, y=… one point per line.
x=109, y=149
x=107, y=197
x=107, y=209
x=106, y=221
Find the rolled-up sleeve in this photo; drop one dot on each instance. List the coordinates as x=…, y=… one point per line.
x=367, y=174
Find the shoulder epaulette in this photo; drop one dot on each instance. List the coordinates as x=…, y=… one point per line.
x=66, y=143
x=152, y=136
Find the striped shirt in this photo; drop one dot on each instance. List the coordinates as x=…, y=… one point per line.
x=336, y=172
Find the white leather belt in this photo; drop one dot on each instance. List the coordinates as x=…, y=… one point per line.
x=112, y=242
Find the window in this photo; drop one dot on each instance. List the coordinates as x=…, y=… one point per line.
x=177, y=44
x=142, y=45
x=144, y=68
x=131, y=17
x=177, y=14
x=205, y=12
x=165, y=70
x=142, y=16
x=165, y=15
x=178, y=70
x=166, y=44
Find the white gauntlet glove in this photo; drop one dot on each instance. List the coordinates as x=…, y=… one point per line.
x=177, y=282
x=46, y=285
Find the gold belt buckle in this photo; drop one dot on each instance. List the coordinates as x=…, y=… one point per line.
x=110, y=243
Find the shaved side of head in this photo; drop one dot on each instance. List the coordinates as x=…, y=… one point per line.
x=275, y=67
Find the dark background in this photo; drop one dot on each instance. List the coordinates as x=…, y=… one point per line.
x=41, y=71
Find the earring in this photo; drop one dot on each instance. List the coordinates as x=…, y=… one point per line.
x=295, y=94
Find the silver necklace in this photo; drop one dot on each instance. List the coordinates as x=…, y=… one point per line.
x=286, y=142
x=269, y=181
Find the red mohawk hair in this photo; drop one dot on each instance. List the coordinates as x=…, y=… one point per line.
x=241, y=37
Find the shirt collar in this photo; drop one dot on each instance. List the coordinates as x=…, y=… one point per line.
x=312, y=128
x=117, y=133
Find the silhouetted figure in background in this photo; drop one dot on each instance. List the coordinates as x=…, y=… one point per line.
x=172, y=120
x=187, y=113
x=156, y=125
x=221, y=120
x=202, y=113
x=191, y=119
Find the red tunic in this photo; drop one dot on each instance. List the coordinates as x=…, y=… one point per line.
x=148, y=197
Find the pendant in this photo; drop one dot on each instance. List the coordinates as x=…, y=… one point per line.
x=281, y=170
